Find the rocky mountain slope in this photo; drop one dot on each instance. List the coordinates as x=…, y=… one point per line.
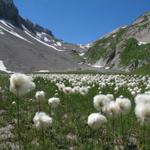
x=25, y=46
x=126, y=48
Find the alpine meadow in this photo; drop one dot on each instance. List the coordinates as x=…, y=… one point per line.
x=58, y=95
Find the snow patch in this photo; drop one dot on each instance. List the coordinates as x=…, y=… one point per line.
x=85, y=46
x=27, y=32
x=3, y=68
x=88, y=45
x=46, y=39
x=14, y=34
x=107, y=68
x=82, y=46
x=6, y=24
x=141, y=43
x=59, y=43
x=39, y=34
x=97, y=66
x=82, y=54
x=43, y=36
x=43, y=71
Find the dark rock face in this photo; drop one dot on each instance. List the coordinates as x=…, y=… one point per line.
x=9, y=12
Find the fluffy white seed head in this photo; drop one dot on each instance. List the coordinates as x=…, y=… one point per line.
x=124, y=104
x=100, y=101
x=83, y=90
x=142, y=99
x=112, y=109
x=142, y=112
x=40, y=95
x=110, y=96
x=21, y=84
x=67, y=90
x=42, y=120
x=96, y=120
x=54, y=102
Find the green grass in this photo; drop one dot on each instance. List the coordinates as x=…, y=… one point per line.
x=145, y=70
x=133, y=53
x=69, y=117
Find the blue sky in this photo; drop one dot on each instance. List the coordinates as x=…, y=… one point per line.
x=82, y=21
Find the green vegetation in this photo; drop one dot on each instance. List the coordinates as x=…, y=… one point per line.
x=145, y=70
x=70, y=118
x=97, y=50
x=132, y=52
x=105, y=46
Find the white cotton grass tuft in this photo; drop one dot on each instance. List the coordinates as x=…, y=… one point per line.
x=83, y=91
x=112, y=109
x=96, y=120
x=124, y=104
x=110, y=96
x=142, y=99
x=40, y=95
x=142, y=108
x=21, y=84
x=54, y=102
x=13, y=103
x=67, y=90
x=42, y=120
x=142, y=113
x=100, y=101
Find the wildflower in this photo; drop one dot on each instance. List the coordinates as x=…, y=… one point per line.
x=142, y=112
x=112, y=109
x=96, y=120
x=124, y=104
x=142, y=98
x=100, y=101
x=83, y=91
x=13, y=103
x=54, y=102
x=21, y=84
x=110, y=96
x=40, y=95
x=67, y=90
x=42, y=120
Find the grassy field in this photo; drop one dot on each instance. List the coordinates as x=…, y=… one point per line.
x=69, y=130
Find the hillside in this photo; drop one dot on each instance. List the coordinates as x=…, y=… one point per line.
x=27, y=47
x=125, y=48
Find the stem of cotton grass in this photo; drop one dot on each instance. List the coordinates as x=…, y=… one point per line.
x=18, y=119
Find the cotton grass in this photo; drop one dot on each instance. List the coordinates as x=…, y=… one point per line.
x=54, y=102
x=21, y=84
x=42, y=120
x=40, y=95
x=100, y=101
x=96, y=120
